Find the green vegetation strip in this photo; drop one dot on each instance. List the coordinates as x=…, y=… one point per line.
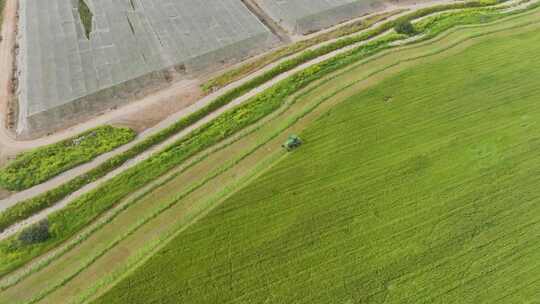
x=306, y=56
x=39, y=165
x=2, y=4
x=86, y=17
x=29, y=207
x=427, y=197
x=86, y=208
x=248, y=68
x=145, y=253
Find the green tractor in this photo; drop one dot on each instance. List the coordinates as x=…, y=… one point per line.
x=292, y=143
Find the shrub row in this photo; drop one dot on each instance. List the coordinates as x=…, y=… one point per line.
x=39, y=165
x=86, y=208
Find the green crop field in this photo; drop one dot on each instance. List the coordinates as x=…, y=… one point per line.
x=421, y=189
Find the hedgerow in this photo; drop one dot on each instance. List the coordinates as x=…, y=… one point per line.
x=86, y=208
x=235, y=74
x=245, y=69
x=39, y=165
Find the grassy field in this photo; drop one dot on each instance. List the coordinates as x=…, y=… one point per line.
x=420, y=189
x=36, y=166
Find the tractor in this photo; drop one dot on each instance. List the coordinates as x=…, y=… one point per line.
x=292, y=143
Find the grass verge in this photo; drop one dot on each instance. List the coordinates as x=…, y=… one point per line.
x=39, y=165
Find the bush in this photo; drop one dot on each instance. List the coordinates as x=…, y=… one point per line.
x=37, y=233
x=405, y=27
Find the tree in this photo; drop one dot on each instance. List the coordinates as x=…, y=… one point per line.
x=405, y=27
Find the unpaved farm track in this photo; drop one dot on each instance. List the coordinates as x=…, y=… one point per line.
x=126, y=115
x=77, y=171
